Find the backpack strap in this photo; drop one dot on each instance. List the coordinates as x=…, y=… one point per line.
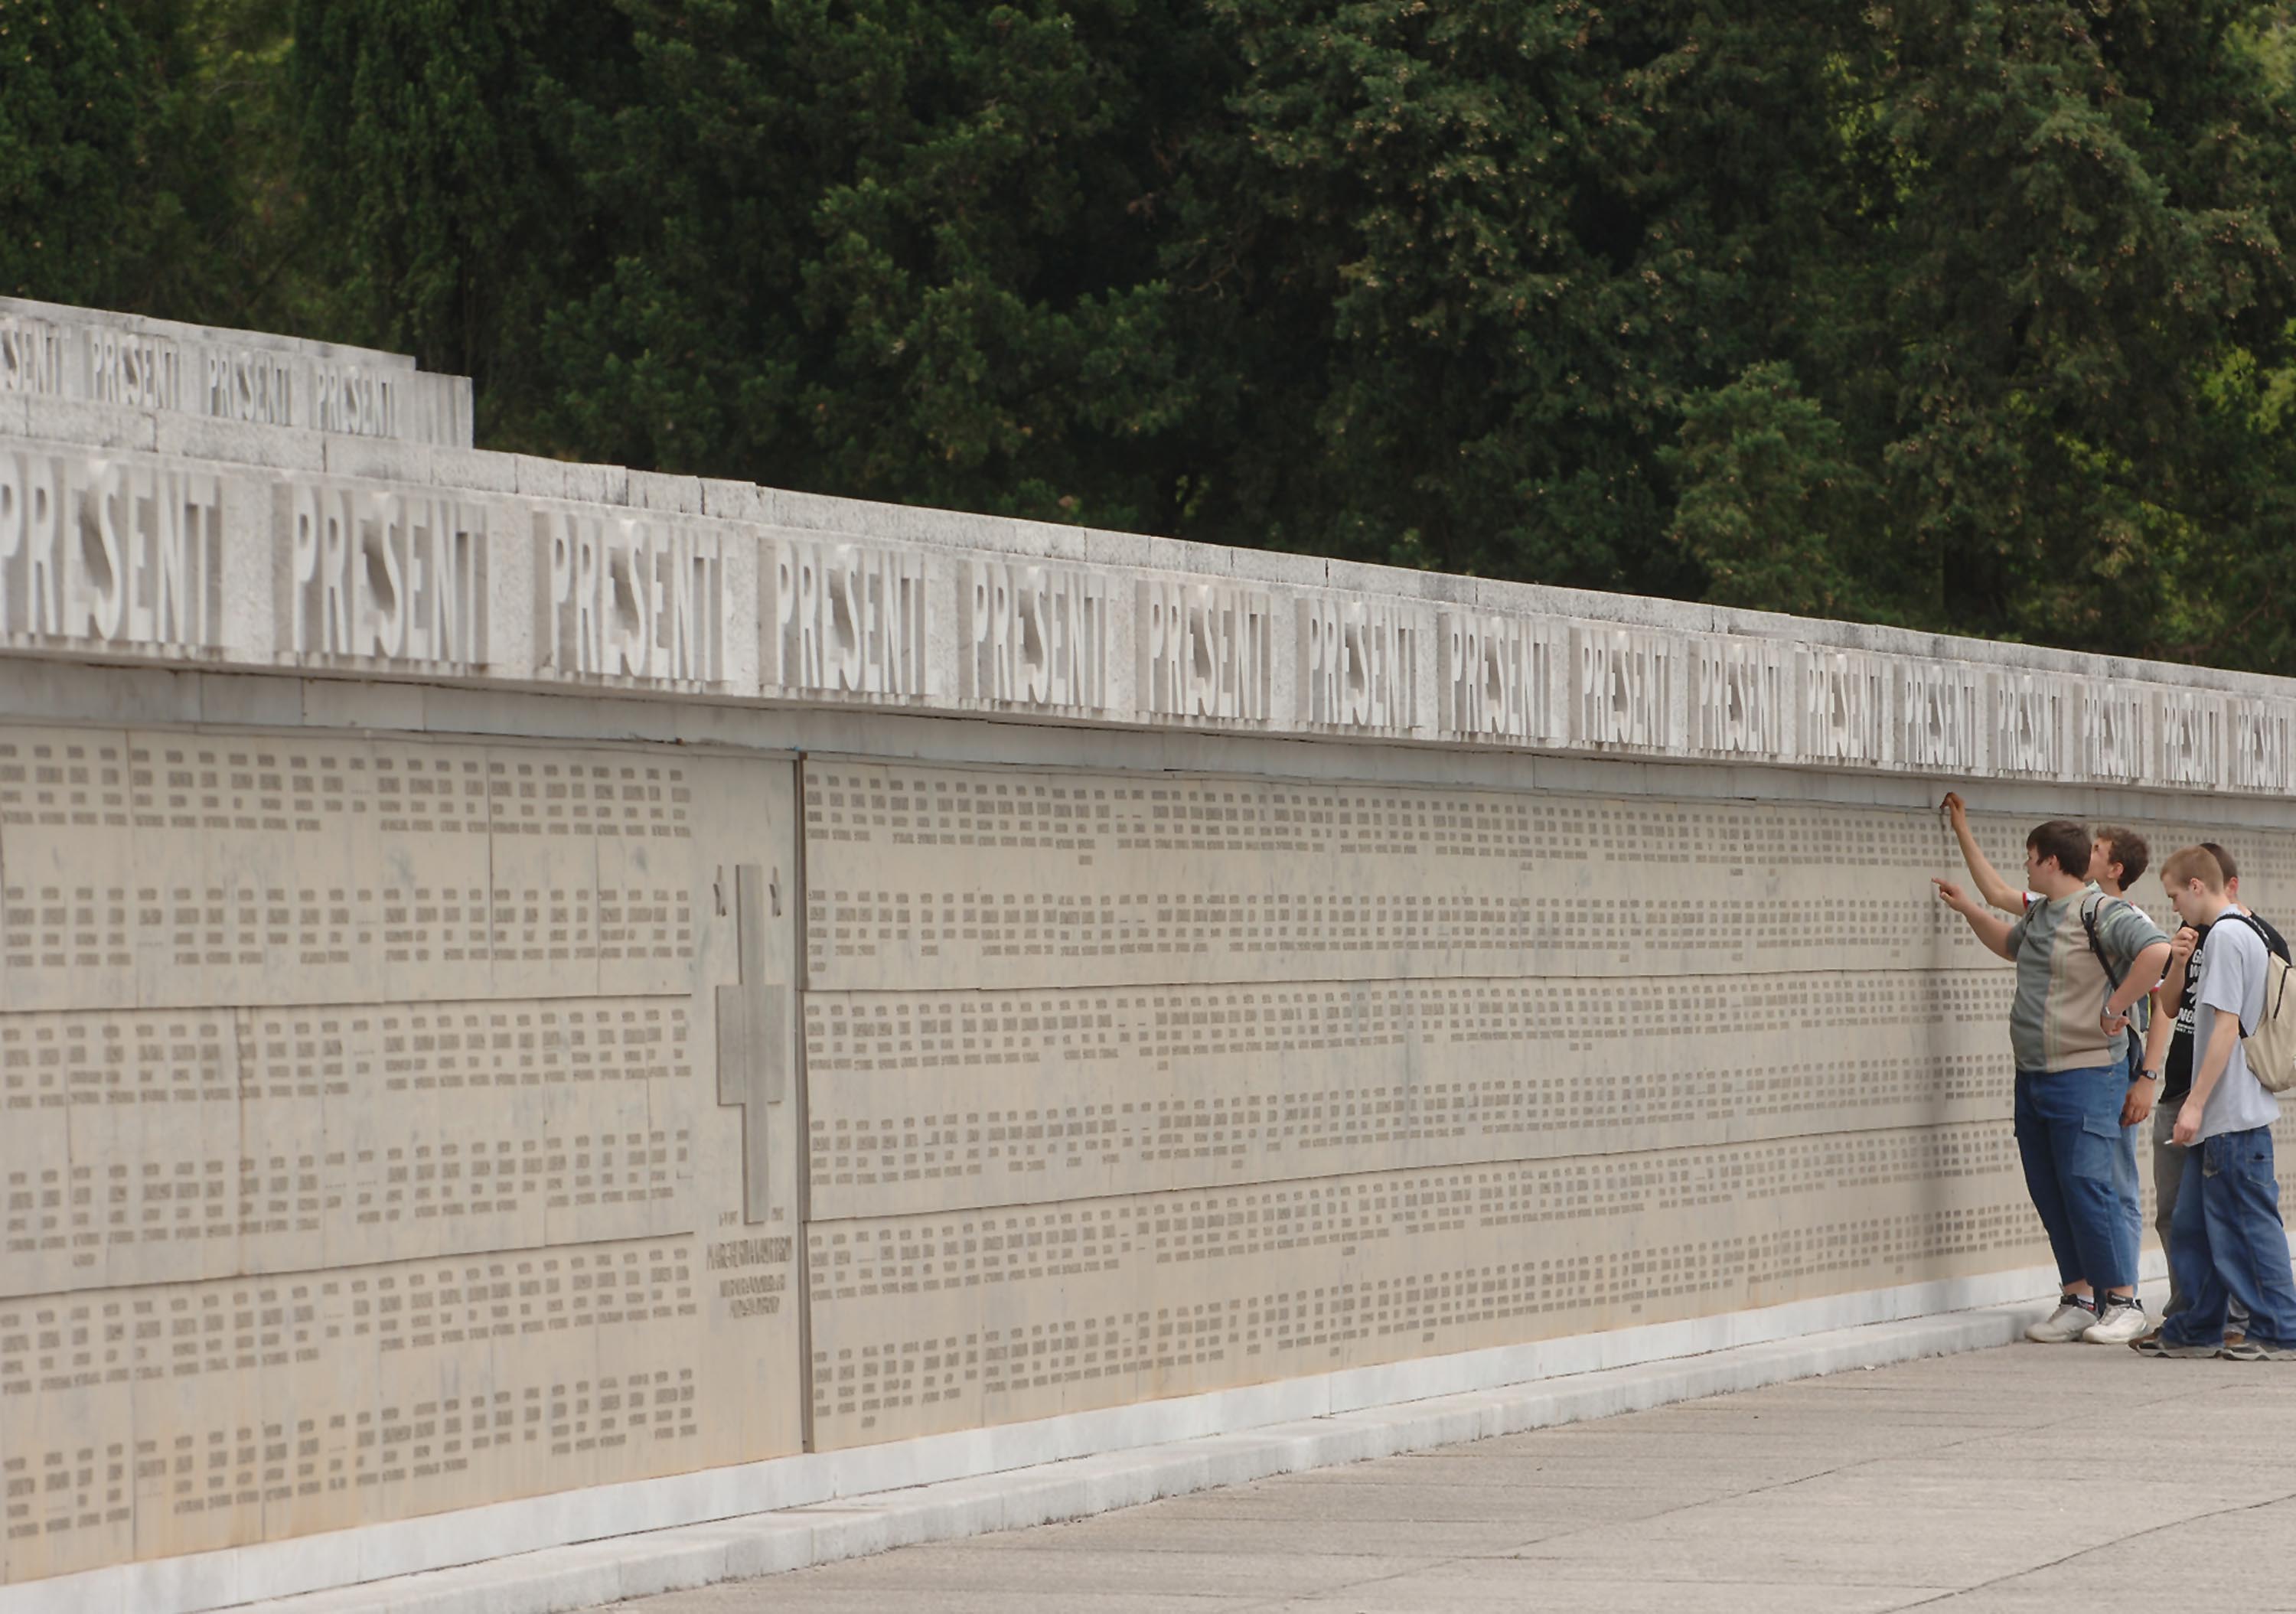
x=2272, y=1010
x=2089, y=911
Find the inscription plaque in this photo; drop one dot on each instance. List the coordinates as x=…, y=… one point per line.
x=364, y=1155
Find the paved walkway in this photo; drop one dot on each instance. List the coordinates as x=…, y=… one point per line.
x=2026, y=1478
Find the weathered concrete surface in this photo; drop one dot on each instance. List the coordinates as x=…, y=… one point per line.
x=2012, y=1478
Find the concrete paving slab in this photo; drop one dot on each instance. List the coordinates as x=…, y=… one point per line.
x=2006, y=1480
x=1485, y=1587
x=792, y=1594
x=992, y=1564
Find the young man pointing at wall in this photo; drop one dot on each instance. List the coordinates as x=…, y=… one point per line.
x=2066, y=1027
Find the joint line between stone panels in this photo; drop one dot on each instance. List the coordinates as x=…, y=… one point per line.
x=801, y=970
x=289, y=1273
x=1259, y=983
x=1495, y=1161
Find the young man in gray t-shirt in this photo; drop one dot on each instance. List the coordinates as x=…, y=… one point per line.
x=2227, y=1242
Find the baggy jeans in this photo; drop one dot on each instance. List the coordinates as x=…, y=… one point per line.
x=2127, y=1186
x=2226, y=1242
x=2069, y=1136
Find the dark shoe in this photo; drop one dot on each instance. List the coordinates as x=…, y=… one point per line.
x=2237, y=1349
x=2153, y=1345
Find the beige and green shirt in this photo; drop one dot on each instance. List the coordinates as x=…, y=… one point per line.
x=2062, y=985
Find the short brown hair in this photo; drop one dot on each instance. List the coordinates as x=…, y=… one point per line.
x=2128, y=850
x=2064, y=840
x=2194, y=862
x=2224, y=861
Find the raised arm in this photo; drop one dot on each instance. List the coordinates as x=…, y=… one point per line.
x=1987, y=880
x=1990, y=929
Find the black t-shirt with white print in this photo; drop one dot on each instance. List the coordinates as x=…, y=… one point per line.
x=2177, y=1068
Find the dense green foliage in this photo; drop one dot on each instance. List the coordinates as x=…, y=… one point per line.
x=1972, y=316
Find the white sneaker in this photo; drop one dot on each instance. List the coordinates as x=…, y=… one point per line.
x=2122, y=1322
x=2063, y=1325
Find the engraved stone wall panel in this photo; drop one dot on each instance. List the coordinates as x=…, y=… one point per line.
x=196, y=869
x=171, y=1418
x=365, y=1153
x=1040, y=1189
x=924, y=877
x=956, y=1100
x=924, y=1323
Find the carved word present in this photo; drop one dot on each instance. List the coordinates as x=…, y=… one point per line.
x=1845, y=707
x=1496, y=676
x=629, y=597
x=32, y=356
x=1625, y=687
x=2112, y=732
x=2259, y=745
x=1035, y=636
x=374, y=573
x=133, y=369
x=358, y=403
x=1937, y=708
x=119, y=553
x=242, y=385
x=1359, y=663
x=2192, y=739
x=847, y=619
x=1740, y=697
x=2028, y=724
x=1206, y=649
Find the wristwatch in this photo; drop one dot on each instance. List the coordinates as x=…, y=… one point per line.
x=2152, y=1075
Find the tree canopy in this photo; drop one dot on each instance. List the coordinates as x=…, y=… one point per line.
x=1972, y=316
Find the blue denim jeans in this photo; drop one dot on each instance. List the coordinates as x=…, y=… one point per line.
x=2226, y=1242
x=2069, y=1137
x=2126, y=1187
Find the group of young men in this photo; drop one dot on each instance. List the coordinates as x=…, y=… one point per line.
x=2094, y=1069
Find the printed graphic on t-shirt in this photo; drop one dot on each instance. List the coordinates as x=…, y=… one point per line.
x=2177, y=1067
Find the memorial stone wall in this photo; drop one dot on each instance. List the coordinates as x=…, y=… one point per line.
x=519, y=978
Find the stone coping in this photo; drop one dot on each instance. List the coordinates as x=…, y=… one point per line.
x=127, y=534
